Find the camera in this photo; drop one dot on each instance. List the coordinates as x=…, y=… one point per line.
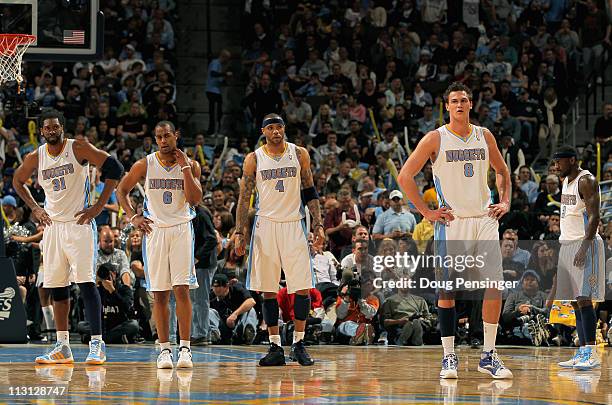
x=354, y=290
x=104, y=271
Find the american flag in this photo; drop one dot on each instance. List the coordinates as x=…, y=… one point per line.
x=75, y=37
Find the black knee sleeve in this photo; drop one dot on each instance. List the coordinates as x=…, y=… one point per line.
x=270, y=312
x=60, y=293
x=93, y=307
x=301, y=307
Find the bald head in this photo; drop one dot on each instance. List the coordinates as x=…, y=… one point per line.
x=107, y=240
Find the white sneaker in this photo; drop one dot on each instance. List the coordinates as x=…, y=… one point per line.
x=164, y=360
x=571, y=362
x=184, y=359
x=589, y=360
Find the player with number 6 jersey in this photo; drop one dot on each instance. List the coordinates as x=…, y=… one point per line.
x=172, y=188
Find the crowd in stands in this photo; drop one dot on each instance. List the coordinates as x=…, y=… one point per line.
x=358, y=84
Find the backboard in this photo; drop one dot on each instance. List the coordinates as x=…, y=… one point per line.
x=66, y=30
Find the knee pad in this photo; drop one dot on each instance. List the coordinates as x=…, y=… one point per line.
x=60, y=293
x=270, y=312
x=301, y=307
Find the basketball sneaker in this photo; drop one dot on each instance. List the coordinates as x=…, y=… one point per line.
x=164, y=360
x=97, y=352
x=299, y=354
x=450, y=364
x=184, y=358
x=572, y=362
x=60, y=354
x=588, y=360
x=275, y=356
x=491, y=364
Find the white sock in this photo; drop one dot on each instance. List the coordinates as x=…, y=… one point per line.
x=275, y=339
x=594, y=347
x=63, y=337
x=164, y=345
x=297, y=336
x=48, y=315
x=186, y=343
x=490, y=334
x=448, y=343
x=96, y=337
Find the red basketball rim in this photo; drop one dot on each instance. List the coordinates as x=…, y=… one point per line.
x=10, y=42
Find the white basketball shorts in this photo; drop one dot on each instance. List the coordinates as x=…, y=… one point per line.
x=168, y=257
x=474, y=245
x=70, y=252
x=275, y=246
x=585, y=282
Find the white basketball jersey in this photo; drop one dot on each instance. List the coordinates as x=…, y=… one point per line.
x=278, y=183
x=65, y=182
x=165, y=202
x=461, y=171
x=574, y=217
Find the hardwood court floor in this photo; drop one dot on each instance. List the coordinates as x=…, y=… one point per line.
x=342, y=375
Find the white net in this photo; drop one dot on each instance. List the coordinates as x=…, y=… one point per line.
x=12, y=48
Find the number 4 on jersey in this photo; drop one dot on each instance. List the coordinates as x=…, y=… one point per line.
x=280, y=186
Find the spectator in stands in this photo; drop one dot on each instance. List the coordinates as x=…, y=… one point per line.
x=107, y=253
x=133, y=126
x=512, y=154
x=544, y=262
x=529, y=187
x=546, y=199
x=394, y=223
x=339, y=222
x=595, y=37
x=217, y=74
x=603, y=125
x=117, y=309
x=525, y=310
x=232, y=317
x=47, y=93
x=406, y=318
x=264, y=100
x=520, y=255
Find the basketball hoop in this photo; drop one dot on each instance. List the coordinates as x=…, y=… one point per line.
x=12, y=48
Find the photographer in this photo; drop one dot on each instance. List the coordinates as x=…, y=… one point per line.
x=406, y=318
x=356, y=307
x=232, y=317
x=117, y=307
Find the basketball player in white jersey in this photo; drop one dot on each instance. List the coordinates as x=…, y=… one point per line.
x=581, y=270
x=69, y=244
x=279, y=238
x=461, y=154
x=172, y=188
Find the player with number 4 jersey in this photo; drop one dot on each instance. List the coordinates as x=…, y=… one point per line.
x=172, y=188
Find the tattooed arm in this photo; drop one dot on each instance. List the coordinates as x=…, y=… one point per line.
x=247, y=185
x=314, y=206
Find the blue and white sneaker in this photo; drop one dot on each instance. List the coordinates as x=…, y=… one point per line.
x=572, y=362
x=97, y=352
x=491, y=364
x=449, y=366
x=60, y=354
x=588, y=360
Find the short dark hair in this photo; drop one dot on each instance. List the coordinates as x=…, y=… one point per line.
x=166, y=123
x=50, y=114
x=457, y=86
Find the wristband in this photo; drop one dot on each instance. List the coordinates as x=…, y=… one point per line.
x=133, y=216
x=185, y=167
x=238, y=233
x=321, y=225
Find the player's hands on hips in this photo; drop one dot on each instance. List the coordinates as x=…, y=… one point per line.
x=498, y=210
x=319, y=234
x=580, y=257
x=142, y=223
x=239, y=244
x=41, y=216
x=181, y=158
x=85, y=216
x=442, y=214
